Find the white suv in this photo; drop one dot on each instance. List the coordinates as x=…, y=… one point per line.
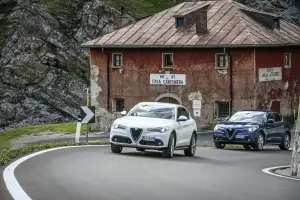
x=159, y=126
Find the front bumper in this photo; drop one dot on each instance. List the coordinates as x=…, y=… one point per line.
x=124, y=138
x=235, y=138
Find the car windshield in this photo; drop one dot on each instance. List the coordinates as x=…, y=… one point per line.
x=153, y=112
x=245, y=116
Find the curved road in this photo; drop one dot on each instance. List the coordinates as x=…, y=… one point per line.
x=94, y=173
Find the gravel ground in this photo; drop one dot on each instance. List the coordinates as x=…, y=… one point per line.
x=284, y=172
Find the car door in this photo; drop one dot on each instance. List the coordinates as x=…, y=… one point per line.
x=279, y=127
x=188, y=127
x=179, y=128
x=270, y=129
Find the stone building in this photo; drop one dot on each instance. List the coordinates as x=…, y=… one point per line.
x=214, y=57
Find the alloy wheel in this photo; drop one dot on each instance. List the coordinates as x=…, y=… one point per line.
x=287, y=142
x=193, y=145
x=172, y=146
x=260, y=141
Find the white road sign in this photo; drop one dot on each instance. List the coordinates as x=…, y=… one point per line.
x=270, y=74
x=167, y=79
x=88, y=114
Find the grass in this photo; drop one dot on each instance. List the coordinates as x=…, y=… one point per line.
x=7, y=155
x=66, y=128
x=141, y=8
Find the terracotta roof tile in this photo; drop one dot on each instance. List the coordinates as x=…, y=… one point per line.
x=229, y=24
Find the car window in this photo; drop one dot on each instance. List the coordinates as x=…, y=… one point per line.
x=179, y=112
x=270, y=116
x=185, y=113
x=277, y=117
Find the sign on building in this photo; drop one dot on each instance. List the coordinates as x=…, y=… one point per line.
x=270, y=74
x=167, y=79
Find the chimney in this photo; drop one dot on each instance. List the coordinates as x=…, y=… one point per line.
x=119, y=20
x=201, y=20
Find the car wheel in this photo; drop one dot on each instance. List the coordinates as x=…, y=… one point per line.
x=192, y=147
x=247, y=146
x=220, y=145
x=140, y=149
x=116, y=149
x=286, y=142
x=259, y=145
x=171, y=147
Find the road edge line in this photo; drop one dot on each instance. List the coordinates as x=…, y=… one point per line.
x=12, y=183
x=268, y=171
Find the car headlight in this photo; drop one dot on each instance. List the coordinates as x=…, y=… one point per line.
x=217, y=127
x=162, y=129
x=119, y=126
x=253, y=128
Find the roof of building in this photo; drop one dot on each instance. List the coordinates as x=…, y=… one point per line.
x=229, y=24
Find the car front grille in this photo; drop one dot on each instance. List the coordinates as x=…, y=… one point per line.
x=230, y=132
x=136, y=133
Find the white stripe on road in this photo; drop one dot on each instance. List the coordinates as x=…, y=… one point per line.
x=268, y=171
x=10, y=180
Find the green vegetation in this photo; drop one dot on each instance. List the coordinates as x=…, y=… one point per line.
x=142, y=8
x=66, y=128
x=8, y=155
x=290, y=119
x=65, y=11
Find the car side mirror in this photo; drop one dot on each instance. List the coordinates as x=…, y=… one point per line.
x=123, y=113
x=270, y=121
x=182, y=118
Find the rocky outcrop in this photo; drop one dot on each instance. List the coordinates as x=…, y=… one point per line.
x=43, y=71
x=288, y=9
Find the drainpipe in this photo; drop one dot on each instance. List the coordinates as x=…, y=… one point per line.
x=230, y=82
x=107, y=80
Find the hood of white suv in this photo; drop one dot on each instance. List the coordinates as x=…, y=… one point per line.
x=143, y=122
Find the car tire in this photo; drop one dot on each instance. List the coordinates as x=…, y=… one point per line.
x=286, y=142
x=247, y=146
x=192, y=147
x=220, y=145
x=116, y=149
x=260, y=142
x=169, y=152
x=140, y=149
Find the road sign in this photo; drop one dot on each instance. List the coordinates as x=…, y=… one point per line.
x=88, y=114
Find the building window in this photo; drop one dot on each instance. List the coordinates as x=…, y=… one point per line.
x=167, y=60
x=118, y=104
x=287, y=60
x=222, y=109
x=179, y=22
x=221, y=61
x=117, y=60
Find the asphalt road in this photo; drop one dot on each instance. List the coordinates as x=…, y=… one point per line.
x=94, y=173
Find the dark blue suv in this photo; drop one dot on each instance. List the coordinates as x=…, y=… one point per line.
x=253, y=129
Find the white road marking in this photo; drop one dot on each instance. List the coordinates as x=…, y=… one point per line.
x=10, y=180
x=268, y=171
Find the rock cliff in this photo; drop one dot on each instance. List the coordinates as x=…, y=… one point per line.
x=43, y=70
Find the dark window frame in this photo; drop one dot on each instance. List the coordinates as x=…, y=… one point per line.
x=120, y=60
x=220, y=62
x=223, y=112
x=119, y=107
x=180, y=22
x=287, y=60
x=165, y=61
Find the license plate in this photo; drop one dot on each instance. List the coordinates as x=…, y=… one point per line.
x=240, y=136
x=146, y=138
